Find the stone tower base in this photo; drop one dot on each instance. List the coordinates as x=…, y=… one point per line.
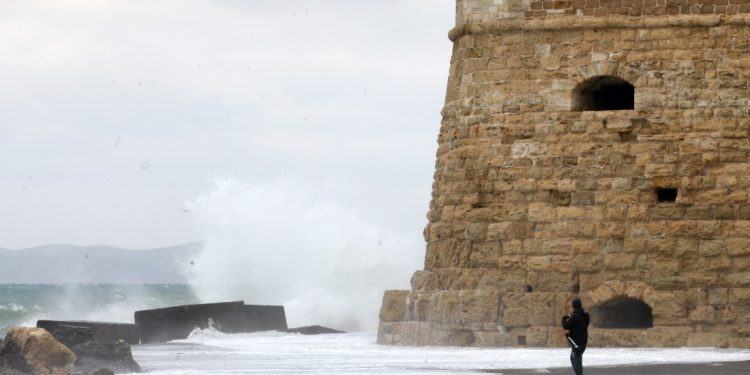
x=455, y=318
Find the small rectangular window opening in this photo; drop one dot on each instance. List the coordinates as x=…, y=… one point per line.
x=666, y=195
x=521, y=340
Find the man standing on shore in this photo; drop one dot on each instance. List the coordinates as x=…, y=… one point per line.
x=577, y=324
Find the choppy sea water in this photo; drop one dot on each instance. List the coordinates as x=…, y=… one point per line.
x=23, y=305
x=211, y=352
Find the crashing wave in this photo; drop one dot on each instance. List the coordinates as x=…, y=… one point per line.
x=12, y=307
x=210, y=331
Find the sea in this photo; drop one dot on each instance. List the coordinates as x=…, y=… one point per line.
x=208, y=351
x=24, y=304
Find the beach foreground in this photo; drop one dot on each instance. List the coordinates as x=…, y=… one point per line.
x=208, y=351
x=725, y=368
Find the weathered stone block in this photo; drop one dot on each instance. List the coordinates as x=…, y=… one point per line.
x=449, y=253
x=710, y=248
x=717, y=263
x=531, y=337
x=587, y=263
x=703, y=315
x=513, y=281
x=739, y=296
x=476, y=231
x=616, y=337
x=705, y=339
x=738, y=246
x=542, y=212
x=739, y=228
x=619, y=261
x=669, y=306
x=527, y=309
x=736, y=279
x=549, y=263
x=485, y=254
x=465, y=306
x=500, y=231
x=551, y=281
x=666, y=337
x=393, y=308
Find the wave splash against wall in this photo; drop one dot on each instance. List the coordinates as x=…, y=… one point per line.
x=283, y=243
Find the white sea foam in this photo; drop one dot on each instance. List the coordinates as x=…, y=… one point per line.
x=12, y=307
x=208, y=351
x=286, y=243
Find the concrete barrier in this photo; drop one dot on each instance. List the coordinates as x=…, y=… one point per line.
x=313, y=330
x=174, y=323
x=101, y=331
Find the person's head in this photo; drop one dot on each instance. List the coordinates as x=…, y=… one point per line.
x=577, y=304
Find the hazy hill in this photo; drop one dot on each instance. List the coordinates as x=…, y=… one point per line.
x=57, y=264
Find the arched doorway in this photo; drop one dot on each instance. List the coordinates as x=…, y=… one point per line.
x=603, y=93
x=622, y=312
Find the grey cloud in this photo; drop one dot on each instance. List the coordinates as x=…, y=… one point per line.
x=346, y=93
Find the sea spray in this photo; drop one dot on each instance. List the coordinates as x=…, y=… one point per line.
x=281, y=243
x=24, y=304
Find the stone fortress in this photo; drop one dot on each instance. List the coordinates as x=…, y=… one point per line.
x=596, y=148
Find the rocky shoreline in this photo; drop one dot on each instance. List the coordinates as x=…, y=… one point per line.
x=38, y=352
x=57, y=347
x=69, y=350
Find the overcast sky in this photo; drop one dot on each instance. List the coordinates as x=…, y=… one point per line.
x=115, y=115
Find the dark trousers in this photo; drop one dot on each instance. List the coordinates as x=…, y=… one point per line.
x=576, y=359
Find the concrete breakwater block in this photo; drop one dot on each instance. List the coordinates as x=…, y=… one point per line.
x=101, y=331
x=174, y=323
x=313, y=330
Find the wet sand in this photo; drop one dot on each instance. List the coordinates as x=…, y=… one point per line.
x=725, y=368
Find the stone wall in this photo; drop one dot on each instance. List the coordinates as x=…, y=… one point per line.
x=636, y=7
x=473, y=11
x=534, y=204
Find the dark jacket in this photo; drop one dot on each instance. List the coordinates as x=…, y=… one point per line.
x=577, y=325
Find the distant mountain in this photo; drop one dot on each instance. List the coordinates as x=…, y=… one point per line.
x=66, y=264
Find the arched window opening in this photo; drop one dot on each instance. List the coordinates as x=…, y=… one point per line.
x=622, y=312
x=603, y=93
